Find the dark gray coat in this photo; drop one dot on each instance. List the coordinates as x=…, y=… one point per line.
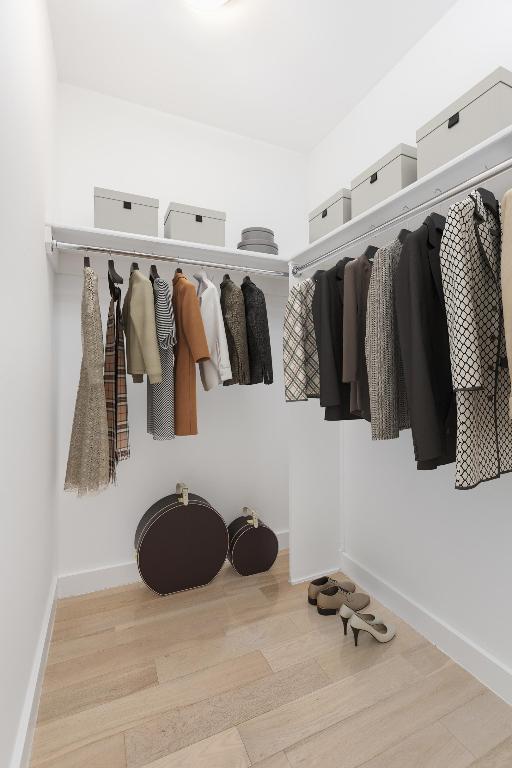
x=258, y=336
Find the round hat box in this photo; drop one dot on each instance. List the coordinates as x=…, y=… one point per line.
x=181, y=543
x=253, y=546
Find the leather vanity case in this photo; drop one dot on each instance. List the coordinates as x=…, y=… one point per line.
x=253, y=545
x=181, y=543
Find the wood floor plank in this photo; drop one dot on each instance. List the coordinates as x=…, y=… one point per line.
x=104, y=600
x=481, y=724
x=225, y=750
x=181, y=727
x=499, y=757
x=385, y=724
x=426, y=658
x=282, y=727
x=98, y=690
x=302, y=648
x=106, y=753
x=432, y=747
x=60, y=736
x=276, y=761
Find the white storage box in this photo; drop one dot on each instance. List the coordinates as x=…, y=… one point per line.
x=198, y=225
x=331, y=214
x=384, y=178
x=474, y=117
x=125, y=212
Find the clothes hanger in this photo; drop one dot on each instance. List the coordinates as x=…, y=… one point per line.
x=438, y=220
x=113, y=275
x=133, y=267
x=87, y=261
x=370, y=252
x=489, y=200
x=403, y=234
x=153, y=273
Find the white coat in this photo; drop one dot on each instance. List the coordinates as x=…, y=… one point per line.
x=217, y=369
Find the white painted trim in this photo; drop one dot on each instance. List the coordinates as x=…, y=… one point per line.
x=20, y=757
x=311, y=576
x=475, y=659
x=82, y=582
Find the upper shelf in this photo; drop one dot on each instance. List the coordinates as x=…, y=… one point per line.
x=129, y=246
x=434, y=189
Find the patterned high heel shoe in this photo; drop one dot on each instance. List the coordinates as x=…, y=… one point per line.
x=378, y=629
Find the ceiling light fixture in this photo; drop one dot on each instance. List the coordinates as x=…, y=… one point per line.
x=207, y=5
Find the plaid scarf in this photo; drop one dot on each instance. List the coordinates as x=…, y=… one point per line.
x=114, y=378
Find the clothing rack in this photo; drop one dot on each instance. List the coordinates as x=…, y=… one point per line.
x=474, y=181
x=58, y=245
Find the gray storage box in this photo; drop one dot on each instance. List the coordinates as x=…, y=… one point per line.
x=384, y=178
x=125, y=212
x=474, y=117
x=330, y=215
x=197, y=225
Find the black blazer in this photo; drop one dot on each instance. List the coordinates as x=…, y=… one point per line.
x=328, y=322
x=424, y=346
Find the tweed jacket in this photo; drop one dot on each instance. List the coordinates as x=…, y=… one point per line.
x=506, y=275
x=388, y=399
x=471, y=273
x=88, y=459
x=233, y=311
x=142, y=354
x=356, y=284
x=217, y=369
x=258, y=335
x=424, y=346
x=328, y=319
x=160, y=397
x=300, y=353
x=191, y=348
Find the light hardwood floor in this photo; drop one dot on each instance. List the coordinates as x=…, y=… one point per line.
x=245, y=673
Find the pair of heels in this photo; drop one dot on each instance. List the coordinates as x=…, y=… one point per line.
x=380, y=630
x=330, y=596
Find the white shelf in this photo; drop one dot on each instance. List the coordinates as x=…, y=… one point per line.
x=68, y=260
x=482, y=158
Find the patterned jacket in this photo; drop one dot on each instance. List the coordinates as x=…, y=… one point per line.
x=233, y=312
x=300, y=354
x=258, y=335
x=471, y=270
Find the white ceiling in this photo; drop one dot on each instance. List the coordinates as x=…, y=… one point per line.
x=285, y=71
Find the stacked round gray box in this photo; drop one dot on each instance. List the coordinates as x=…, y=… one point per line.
x=258, y=239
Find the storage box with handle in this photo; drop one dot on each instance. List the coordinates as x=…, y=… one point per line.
x=253, y=546
x=331, y=214
x=384, y=178
x=196, y=225
x=478, y=114
x=125, y=212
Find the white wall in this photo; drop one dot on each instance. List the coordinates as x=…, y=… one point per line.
x=440, y=556
x=27, y=565
x=108, y=142
x=241, y=454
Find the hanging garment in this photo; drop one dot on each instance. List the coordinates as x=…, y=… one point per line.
x=258, y=335
x=233, y=312
x=386, y=384
x=140, y=329
x=88, y=459
x=470, y=268
x=191, y=348
x=424, y=346
x=160, y=397
x=355, y=296
x=114, y=378
x=217, y=369
x=300, y=353
x=328, y=319
x=506, y=276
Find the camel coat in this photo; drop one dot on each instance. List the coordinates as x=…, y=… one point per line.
x=191, y=348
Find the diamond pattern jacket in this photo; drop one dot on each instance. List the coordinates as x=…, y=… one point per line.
x=470, y=259
x=300, y=354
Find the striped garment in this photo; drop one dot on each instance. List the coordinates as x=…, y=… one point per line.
x=114, y=378
x=160, y=411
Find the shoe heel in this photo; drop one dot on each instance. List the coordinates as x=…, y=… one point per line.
x=355, y=630
x=345, y=624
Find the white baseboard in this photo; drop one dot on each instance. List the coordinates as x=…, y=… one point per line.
x=23, y=745
x=82, y=582
x=475, y=659
x=311, y=576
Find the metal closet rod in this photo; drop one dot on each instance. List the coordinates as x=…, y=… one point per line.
x=475, y=181
x=171, y=259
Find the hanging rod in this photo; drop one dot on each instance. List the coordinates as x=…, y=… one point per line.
x=474, y=181
x=56, y=245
